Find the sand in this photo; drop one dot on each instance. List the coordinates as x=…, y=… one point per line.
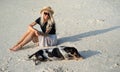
x=92, y=26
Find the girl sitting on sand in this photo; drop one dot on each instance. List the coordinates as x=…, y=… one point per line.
x=45, y=38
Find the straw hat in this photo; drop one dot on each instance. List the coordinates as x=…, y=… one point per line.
x=49, y=9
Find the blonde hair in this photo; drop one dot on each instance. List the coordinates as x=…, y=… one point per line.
x=50, y=21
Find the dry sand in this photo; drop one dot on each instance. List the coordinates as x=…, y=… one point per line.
x=92, y=26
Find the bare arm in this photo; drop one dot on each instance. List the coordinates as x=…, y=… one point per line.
x=31, y=26
x=46, y=32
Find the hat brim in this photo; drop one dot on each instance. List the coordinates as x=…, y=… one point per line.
x=49, y=10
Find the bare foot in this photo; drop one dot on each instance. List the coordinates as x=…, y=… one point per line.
x=12, y=49
x=15, y=48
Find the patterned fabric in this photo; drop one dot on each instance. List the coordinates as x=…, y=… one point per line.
x=50, y=40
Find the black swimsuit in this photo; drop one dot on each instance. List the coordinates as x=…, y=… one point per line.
x=52, y=31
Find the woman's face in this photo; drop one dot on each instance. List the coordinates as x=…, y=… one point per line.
x=46, y=15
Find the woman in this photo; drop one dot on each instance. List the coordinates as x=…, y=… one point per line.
x=45, y=38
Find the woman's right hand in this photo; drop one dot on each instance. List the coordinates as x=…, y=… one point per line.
x=33, y=29
x=37, y=33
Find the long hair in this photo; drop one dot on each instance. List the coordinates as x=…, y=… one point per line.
x=50, y=21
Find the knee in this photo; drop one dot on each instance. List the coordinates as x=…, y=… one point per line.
x=29, y=30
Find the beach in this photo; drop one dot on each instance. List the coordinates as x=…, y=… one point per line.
x=91, y=26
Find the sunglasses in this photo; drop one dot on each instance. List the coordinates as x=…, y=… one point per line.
x=45, y=13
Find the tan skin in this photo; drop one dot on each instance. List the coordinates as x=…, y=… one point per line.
x=30, y=34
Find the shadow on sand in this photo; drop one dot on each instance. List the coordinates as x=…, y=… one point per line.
x=88, y=53
x=28, y=46
x=84, y=35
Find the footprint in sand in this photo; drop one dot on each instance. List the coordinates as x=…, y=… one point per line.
x=5, y=65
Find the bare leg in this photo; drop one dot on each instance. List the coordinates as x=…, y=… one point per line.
x=35, y=40
x=22, y=38
x=27, y=38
